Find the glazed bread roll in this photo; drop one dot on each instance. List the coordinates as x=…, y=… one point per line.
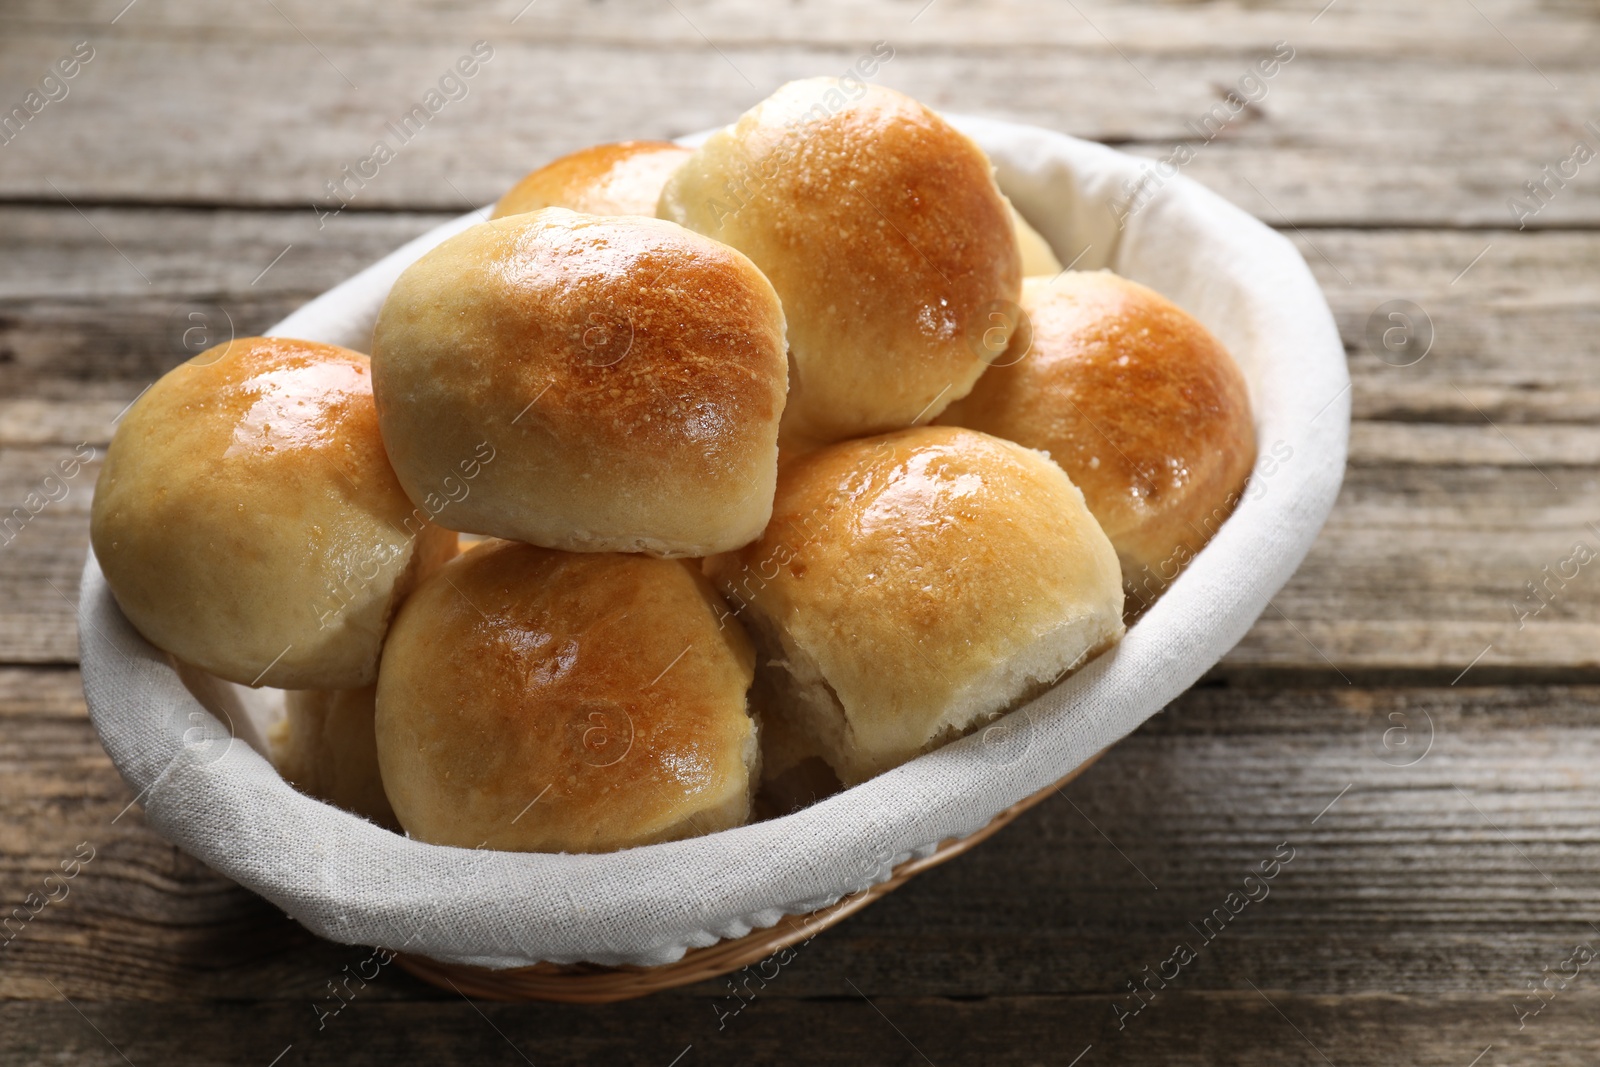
x=325, y=748
x=883, y=231
x=1142, y=407
x=543, y=701
x=248, y=521
x=1037, y=255
x=608, y=179
x=624, y=376
x=915, y=585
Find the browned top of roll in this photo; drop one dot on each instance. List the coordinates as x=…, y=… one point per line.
x=922, y=580
x=882, y=229
x=247, y=516
x=538, y=700
x=628, y=373
x=1138, y=402
x=624, y=178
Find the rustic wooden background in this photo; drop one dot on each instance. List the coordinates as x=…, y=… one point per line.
x=1458, y=862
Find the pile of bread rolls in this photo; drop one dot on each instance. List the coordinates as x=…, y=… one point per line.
x=781, y=470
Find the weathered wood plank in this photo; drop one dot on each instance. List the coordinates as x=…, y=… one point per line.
x=1488, y=522
x=1244, y=1029
x=1512, y=338
x=1422, y=566
x=44, y=535
x=197, y=255
x=1445, y=522
x=1359, y=27
x=1428, y=566
x=1506, y=330
x=1482, y=445
x=1446, y=882
x=1338, y=137
x=1399, y=880
x=82, y=332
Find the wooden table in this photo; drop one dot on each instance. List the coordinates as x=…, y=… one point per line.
x=1429, y=757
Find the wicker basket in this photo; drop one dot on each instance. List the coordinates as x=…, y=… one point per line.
x=585, y=983
x=495, y=915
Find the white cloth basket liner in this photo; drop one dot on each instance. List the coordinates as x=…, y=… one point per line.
x=353, y=882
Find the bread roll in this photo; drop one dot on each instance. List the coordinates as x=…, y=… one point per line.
x=608, y=179
x=325, y=748
x=883, y=231
x=623, y=376
x=248, y=521
x=1142, y=407
x=794, y=773
x=915, y=585
x=542, y=701
x=1037, y=255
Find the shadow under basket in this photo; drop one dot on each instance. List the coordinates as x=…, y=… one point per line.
x=589, y=983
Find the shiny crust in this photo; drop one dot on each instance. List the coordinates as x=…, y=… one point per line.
x=925, y=581
x=621, y=379
x=883, y=231
x=542, y=701
x=247, y=518
x=325, y=748
x=1139, y=403
x=607, y=179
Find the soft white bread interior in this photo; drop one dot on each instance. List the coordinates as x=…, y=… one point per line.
x=882, y=230
x=915, y=585
x=543, y=701
x=616, y=384
x=249, y=523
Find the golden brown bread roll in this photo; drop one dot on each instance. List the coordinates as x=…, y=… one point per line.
x=1142, y=407
x=624, y=376
x=607, y=179
x=248, y=521
x=883, y=231
x=915, y=585
x=325, y=748
x=543, y=701
x=794, y=774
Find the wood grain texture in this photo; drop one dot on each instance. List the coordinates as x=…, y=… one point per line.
x=1472, y=470
x=1244, y=1029
x=1443, y=865
x=1361, y=127
x=1420, y=567
x=78, y=323
x=1206, y=27
x=1445, y=837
